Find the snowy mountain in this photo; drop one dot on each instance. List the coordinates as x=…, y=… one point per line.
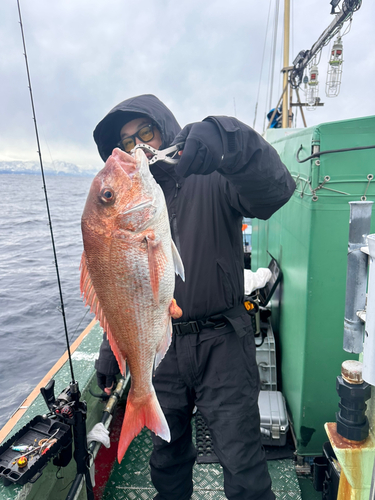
x=55, y=168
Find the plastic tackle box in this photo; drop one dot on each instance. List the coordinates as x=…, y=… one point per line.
x=37, y=429
x=266, y=361
x=273, y=418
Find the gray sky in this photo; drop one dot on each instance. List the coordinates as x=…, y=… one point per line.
x=200, y=58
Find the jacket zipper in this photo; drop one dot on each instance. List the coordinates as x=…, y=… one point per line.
x=178, y=186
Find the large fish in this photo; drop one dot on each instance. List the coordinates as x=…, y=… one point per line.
x=128, y=276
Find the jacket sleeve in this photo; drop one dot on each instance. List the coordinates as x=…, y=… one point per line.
x=106, y=362
x=259, y=183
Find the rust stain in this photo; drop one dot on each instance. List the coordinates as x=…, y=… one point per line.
x=345, y=490
x=352, y=465
x=341, y=442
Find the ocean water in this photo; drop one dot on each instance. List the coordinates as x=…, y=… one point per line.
x=32, y=334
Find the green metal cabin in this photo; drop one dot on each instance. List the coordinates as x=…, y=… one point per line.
x=309, y=239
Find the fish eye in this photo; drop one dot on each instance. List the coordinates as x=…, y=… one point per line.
x=107, y=195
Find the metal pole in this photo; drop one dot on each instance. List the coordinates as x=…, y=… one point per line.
x=301, y=108
x=285, y=116
x=348, y=8
x=275, y=110
x=356, y=278
x=369, y=342
x=290, y=112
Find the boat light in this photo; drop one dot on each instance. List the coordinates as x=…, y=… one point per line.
x=334, y=72
x=312, y=90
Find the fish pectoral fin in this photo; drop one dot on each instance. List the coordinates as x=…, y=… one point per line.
x=91, y=299
x=164, y=345
x=178, y=264
x=157, y=261
x=139, y=413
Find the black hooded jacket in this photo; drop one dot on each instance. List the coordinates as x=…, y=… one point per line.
x=206, y=211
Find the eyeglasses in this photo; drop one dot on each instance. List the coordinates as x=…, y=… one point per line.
x=144, y=134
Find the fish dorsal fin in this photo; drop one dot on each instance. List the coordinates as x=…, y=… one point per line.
x=178, y=264
x=157, y=261
x=91, y=299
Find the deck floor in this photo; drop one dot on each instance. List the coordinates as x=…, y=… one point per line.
x=131, y=480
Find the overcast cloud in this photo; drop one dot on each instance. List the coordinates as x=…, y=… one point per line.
x=200, y=58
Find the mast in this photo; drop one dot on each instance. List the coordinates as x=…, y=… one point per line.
x=285, y=108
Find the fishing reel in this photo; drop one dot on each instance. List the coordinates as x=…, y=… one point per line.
x=63, y=406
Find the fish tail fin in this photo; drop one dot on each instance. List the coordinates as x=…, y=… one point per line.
x=144, y=412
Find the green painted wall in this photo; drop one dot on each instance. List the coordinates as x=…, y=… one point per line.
x=309, y=239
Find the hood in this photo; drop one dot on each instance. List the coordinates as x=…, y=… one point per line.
x=107, y=132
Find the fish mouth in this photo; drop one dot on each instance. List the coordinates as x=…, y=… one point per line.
x=148, y=153
x=125, y=162
x=146, y=150
x=130, y=168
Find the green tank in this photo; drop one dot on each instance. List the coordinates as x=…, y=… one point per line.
x=309, y=239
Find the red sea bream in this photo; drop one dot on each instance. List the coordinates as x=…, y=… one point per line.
x=128, y=276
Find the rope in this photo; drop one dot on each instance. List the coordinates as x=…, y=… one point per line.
x=319, y=153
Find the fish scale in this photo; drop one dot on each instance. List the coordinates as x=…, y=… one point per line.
x=127, y=277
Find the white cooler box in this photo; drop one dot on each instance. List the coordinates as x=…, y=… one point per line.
x=273, y=418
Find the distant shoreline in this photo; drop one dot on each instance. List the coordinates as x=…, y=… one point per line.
x=48, y=172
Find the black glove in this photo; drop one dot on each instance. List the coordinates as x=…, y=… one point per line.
x=106, y=381
x=203, y=149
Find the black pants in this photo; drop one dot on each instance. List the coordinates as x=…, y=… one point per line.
x=216, y=371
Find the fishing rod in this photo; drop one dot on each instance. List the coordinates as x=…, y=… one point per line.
x=75, y=409
x=45, y=193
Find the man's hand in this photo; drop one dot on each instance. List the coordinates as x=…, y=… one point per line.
x=106, y=382
x=203, y=150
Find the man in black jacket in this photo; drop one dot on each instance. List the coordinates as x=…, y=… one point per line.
x=226, y=172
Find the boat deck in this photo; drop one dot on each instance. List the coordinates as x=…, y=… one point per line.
x=131, y=479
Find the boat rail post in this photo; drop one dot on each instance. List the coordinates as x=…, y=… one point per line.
x=356, y=278
x=369, y=343
x=369, y=339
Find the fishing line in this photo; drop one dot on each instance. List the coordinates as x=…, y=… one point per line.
x=45, y=193
x=261, y=67
x=273, y=52
x=72, y=336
